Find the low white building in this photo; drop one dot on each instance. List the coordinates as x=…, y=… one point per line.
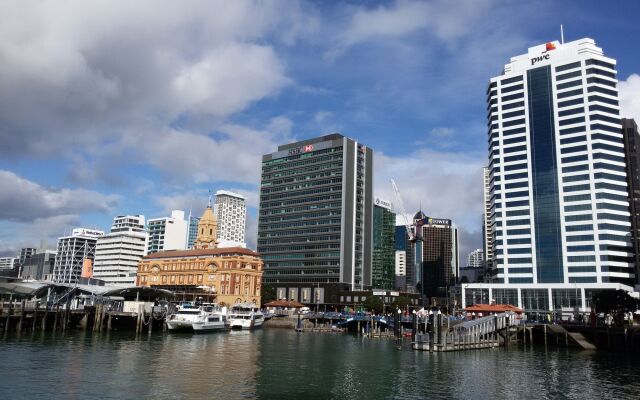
x=118, y=252
x=475, y=259
x=401, y=270
x=6, y=264
x=231, y=214
x=168, y=233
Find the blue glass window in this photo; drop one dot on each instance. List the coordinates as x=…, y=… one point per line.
x=545, y=174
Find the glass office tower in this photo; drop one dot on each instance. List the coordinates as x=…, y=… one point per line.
x=315, y=219
x=559, y=212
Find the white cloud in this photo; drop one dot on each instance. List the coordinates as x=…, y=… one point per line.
x=446, y=20
x=443, y=184
x=630, y=97
x=193, y=200
x=399, y=19
x=187, y=157
x=22, y=200
x=83, y=74
x=229, y=79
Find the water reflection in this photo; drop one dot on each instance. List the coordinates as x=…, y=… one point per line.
x=282, y=364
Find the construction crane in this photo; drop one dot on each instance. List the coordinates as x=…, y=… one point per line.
x=407, y=224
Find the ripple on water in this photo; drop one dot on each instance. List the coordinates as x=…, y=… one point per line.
x=274, y=363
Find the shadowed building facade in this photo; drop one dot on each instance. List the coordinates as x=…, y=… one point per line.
x=632, y=156
x=383, y=266
x=440, y=263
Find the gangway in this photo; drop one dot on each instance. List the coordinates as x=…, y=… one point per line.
x=479, y=333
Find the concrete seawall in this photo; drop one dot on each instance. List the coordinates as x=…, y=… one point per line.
x=286, y=323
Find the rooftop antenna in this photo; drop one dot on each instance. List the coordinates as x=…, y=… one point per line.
x=210, y=192
x=561, y=34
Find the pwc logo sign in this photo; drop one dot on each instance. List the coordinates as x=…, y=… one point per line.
x=545, y=54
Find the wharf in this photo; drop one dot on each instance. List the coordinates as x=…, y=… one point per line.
x=28, y=317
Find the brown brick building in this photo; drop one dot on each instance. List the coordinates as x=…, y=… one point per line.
x=232, y=275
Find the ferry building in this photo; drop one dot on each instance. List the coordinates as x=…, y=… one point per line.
x=232, y=275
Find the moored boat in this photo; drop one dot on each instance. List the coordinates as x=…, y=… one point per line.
x=214, y=321
x=188, y=314
x=245, y=316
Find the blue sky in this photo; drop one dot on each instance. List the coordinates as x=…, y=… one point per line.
x=145, y=107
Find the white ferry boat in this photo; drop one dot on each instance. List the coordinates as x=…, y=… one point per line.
x=245, y=316
x=213, y=321
x=188, y=314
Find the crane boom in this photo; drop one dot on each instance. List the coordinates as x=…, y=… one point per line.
x=407, y=223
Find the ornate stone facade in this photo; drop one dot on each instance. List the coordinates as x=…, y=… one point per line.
x=232, y=274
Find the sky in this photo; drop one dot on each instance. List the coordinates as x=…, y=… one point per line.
x=144, y=106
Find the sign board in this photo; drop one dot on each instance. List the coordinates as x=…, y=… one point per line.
x=396, y=294
x=438, y=221
x=383, y=203
x=379, y=293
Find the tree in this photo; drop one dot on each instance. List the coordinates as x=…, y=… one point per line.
x=267, y=294
x=401, y=302
x=614, y=302
x=373, y=304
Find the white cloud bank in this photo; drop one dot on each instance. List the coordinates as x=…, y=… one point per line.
x=629, y=90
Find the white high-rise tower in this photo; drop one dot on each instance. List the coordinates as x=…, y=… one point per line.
x=559, y=210
x=231, y=215
x=119, y=252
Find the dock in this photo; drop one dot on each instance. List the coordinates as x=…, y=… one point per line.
x=20, y=317
x=482, y=333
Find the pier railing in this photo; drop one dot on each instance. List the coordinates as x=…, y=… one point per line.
x=474, y=334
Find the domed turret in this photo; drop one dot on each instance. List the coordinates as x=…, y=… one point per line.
x=207, y=230
x=419, y=216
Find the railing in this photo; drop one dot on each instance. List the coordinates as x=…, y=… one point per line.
x=474, y=334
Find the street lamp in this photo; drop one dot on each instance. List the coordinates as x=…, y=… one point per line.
x=399, y=322
x=415, y=323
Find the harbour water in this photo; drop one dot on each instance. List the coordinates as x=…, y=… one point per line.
x=282, y=364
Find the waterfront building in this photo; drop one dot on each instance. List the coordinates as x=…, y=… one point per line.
x=401, y=258
x=413, y=251
x=487, y=234
x=167, y=233
x=232, y=275
x=39, y=266
x=231, y=215
x=315, y=220
x=7, y=264
x=401, y=270
x=632, y=156
x=193, y=231
x=471, y=275
x=72, y=252
x=25, y=253
x=440, y=259
x=558, y=186
x=475, y=259
x=119, y=252
x=383, y=260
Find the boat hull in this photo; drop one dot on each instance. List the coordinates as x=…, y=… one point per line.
x=245, y=324
x=176, y=326
x=206, y=328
